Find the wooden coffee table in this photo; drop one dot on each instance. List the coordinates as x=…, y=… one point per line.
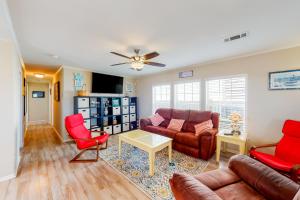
x=148, y=142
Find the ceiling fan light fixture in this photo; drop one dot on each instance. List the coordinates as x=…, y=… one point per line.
x=137, y=65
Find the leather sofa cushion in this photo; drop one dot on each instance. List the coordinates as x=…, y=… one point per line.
x=187, y=187
x=264, y=179
x=188, y=139
x=196, y=117
x=216, y=179
x=161, y=131
x=239, y=190
x=166, y=113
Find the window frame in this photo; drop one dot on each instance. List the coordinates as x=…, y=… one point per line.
x=246, y=93
x=185, y=82
x=152, y=92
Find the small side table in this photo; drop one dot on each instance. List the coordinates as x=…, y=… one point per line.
x=239, y=140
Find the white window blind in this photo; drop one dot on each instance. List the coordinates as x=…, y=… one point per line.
x=161, y=97
x=225, y=96
x=187, y=95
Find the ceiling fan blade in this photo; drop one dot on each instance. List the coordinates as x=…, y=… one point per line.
x=154, y=64
x=118, y=54
x=151, y=55
x=120, y=64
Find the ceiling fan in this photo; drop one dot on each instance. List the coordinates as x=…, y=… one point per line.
x=137, y=61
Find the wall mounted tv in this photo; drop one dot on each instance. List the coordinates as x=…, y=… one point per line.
x=103, y=83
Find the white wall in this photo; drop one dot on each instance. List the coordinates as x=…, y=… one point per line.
x=38, y=108
x=267, y=109
x=10, y=100
x=9, y=109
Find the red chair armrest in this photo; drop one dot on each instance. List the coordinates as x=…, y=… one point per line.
x=264, y=146
x=100, y=132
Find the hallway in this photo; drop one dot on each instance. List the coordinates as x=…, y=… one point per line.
x=45, y=173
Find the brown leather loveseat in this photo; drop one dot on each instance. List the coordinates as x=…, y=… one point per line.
x=244, y=179
x=202, y=146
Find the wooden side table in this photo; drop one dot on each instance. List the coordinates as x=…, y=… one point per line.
x=239, y=140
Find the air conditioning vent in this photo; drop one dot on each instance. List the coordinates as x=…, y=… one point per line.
x=236, y=37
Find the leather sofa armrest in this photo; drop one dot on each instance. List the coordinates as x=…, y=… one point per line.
x=187, y=187
x=210, y=132
x=207, y=142
x=145, y=122
x=264, y=179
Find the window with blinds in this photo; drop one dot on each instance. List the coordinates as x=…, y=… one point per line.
x=161, y=97
x=225, y=96
x=187, y=95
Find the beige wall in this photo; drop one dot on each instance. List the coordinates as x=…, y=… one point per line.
x=10, y=65
x=57, y=120
x=38, y=108
x=267, y=109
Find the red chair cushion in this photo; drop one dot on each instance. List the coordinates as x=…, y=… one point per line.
x=272, y=161
x=92, y=142
x=288, y=149
x=291, y=128
x=76, y=129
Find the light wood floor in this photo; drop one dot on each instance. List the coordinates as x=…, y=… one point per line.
x=45, y=173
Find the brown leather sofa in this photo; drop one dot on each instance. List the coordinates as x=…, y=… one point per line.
x=186, y=141
x=244, y=179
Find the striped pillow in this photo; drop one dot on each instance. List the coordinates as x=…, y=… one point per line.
x=176, y=124
x=202, y=127
x=156, y=120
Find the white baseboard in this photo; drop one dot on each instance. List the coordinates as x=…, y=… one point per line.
x=8, y=177
x=38, y=122
x=58, y=135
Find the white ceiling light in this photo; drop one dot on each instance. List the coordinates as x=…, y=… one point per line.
x=39, y=75
x=137, y=62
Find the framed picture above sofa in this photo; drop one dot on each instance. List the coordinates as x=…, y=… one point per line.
x=284, y=80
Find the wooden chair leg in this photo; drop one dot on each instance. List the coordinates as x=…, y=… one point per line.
x=77, y=160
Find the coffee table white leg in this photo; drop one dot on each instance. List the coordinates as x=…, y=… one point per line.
x=151, y=163
x=170, y=152
x=120, y=147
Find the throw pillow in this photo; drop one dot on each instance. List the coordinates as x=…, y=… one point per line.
x=176, y=124
x=156, y=120
x=202, y=127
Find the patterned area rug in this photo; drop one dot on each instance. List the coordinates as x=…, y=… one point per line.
x=134, y=165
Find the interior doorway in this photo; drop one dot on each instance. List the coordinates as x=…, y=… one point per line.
x=38, y=103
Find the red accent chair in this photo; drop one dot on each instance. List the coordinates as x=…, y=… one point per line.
x=83, y=137
x=287, y=151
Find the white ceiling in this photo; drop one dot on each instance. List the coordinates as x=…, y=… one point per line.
x=83, y=32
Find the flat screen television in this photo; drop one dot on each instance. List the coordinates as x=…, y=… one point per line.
x=103, y=83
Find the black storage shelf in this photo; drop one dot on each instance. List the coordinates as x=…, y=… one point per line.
x=111, y=114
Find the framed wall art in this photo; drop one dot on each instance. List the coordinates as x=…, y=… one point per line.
x=284, y=80
x=57, y=91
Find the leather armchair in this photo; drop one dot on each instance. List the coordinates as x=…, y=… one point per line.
x=244, y=179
